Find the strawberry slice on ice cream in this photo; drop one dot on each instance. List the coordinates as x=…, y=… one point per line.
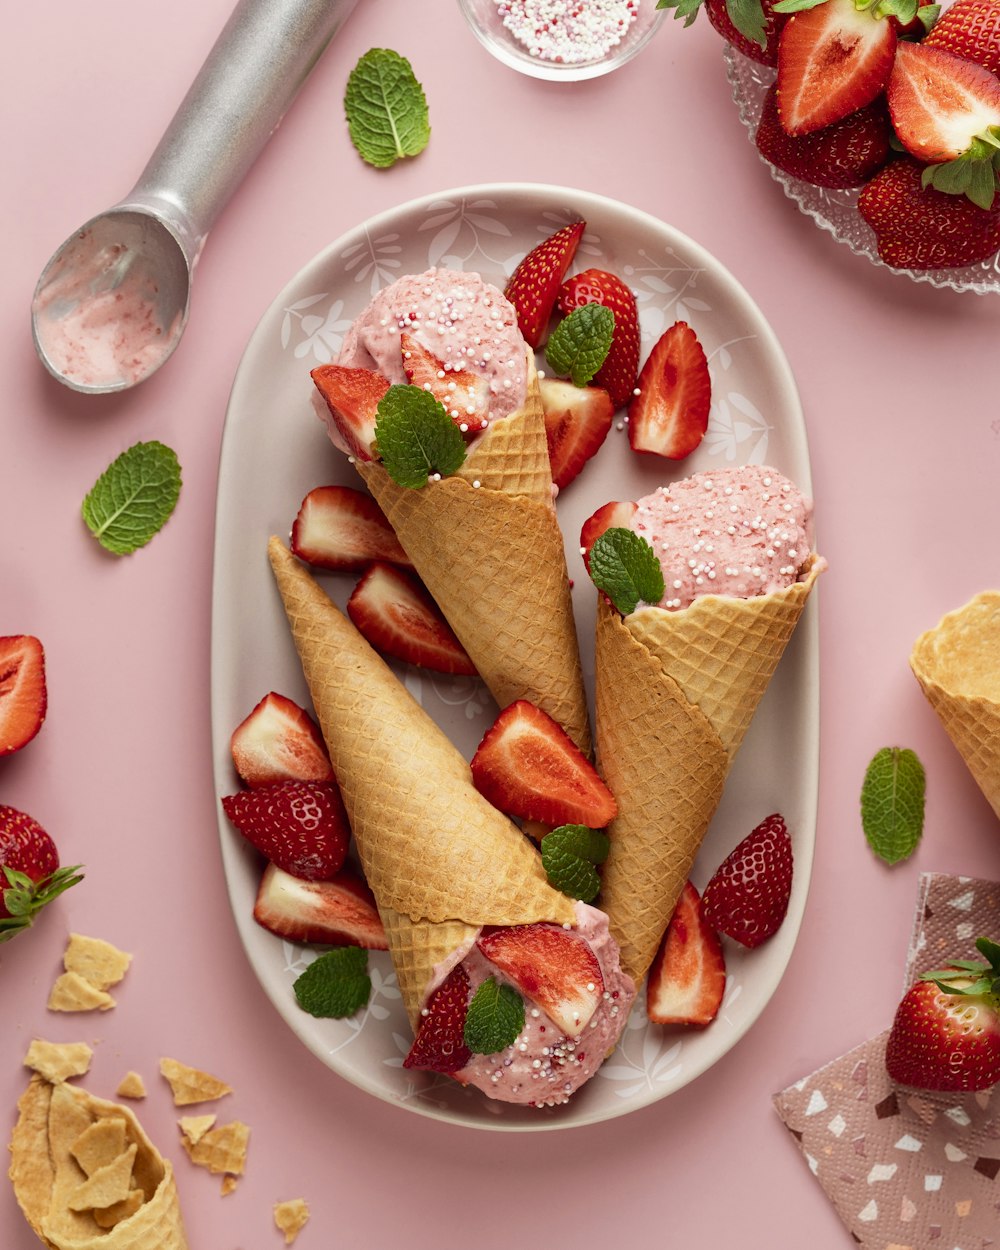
x=340, y=528
x=338, y=912
x=279, y=741
x=669, y=415
x=534, y=285
x=465, y=396
x=687, y=978
x=23, y=691
x=615, y=515
x=352, y=398
x=577, y=421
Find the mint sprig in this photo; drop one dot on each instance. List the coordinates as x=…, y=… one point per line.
x=415, y=437
x=580, y=343
x=133, y=498
x=570, y=855
x=386, y=109
x=625, y=567
x=892, y=803
x=336, y=983
x=494, y=1019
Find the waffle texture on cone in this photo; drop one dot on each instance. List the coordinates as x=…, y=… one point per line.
x=46, y=1175
x=958, y=666
x=493, y=558
x=432, y=848
x=675, y=694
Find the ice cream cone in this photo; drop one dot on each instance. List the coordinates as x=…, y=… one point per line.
x=441, y=860
x=487, y=544
x=958, y=666
x=46, y=1175
x=676, y=691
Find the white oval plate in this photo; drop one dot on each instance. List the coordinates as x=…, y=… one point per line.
x=275, y=450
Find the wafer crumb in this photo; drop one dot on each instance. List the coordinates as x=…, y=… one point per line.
x=194, y=1127
x=97, y=961
x=222, y=1149
x=291, y=1217
x=190, y=1085
x=131, y=1086
x=100, y=1144
x=58, y=1061
x=72, y=992
x=229, y=1183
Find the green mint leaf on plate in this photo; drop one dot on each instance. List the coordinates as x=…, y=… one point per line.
x=892, y=803
x=495, y=1018
x=579, y=344
x=625, y=567
x=133, y=498
x=386, y=109
x=336, y=983
x=569, y=856
x=415, y=437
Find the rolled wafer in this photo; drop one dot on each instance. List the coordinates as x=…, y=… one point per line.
x=46, y=1175
x=441, y=861
x=958, y=666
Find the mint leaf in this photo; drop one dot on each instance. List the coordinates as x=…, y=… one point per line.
x=133, y=498
x=335, y=984
x=386, y=109
x=569, y=856
x=892, y=803
x=580, y=343
x=494, y=1019
x=415, y=437
x=625, y=567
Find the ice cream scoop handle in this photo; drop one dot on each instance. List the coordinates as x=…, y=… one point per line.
x=261, y=59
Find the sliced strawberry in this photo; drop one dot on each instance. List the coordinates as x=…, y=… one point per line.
x=465, y=396
x=533, y=286
x=615, y=515
x=669, y=416
x=338, y=912
x=279, y=741
x=747, y=897
x=440, y=1042
x=394, y=612
x=577, y=420
x=299, y=825
x=338, y=527
x=528, y=766
x=596, y=286
x=553, y=967
x=352, y=397
x=832, y=60
x=970, y=29
x=23, y=691
x=688, y=976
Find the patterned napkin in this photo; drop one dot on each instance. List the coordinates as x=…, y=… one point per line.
x=908, y=1170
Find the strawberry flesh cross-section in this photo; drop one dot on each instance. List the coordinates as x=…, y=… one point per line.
x=352, y=399
x=341, y=528
x=687, y=978
x=334, y=913
x=464, y=396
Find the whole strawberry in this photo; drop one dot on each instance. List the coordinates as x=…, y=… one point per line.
x=621, y=365
x=970, y=29
x=747, y=897
x=299, y=825
x=946, y=1032
x=764, y=54
x=30, y=876
x=845, y=154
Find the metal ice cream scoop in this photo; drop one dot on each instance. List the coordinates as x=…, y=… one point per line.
x=112, y=303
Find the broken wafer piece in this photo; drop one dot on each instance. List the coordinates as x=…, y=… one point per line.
x=58, y=1061
x=222, y=1149
x=72, y=992
x=131, y=1086
x=229, y=1183
x=97, y=961
x=108, y=1217
x=194, y=1127
x=190, y=1085
x=108, y=1184
x=291, y=1217
x=99, y=1145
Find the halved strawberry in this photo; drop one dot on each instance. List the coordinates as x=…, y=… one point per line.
x=533, y=286
x=440, y=1042
x=553, y=967
x=577, y=420
x=596, y=286
x=338, y=527
x=394, y=612
x=23, y=691
x=299, y=825
x=688, y=976
x=279, y=741
x=615, y=515
x=970, y=29
x=339, y=912
x=528, y=766
x=465, y=396
x=352, y=397
x=832, y=59
x=669, y=416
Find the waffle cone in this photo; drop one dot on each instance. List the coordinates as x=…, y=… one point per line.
x=675, y=693
x=958, y=669
x=44, y=1174
x=436, y=854
x=493, y=558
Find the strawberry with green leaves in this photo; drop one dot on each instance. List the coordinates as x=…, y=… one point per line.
x=751, y=26
x=30, y=875
x=946, y=1031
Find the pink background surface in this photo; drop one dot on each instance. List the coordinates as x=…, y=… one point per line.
x=892, y=377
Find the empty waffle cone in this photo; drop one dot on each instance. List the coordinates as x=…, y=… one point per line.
x=492, y=556
x=675, y=694
x=441, y=860
x=958, y=666
x=45, y=1174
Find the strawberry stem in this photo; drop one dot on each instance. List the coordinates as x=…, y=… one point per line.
x=24, y=898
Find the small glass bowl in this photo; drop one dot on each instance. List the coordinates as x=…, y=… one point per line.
x=487, y=23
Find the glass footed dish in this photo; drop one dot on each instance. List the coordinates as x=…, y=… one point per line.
x=836, y=210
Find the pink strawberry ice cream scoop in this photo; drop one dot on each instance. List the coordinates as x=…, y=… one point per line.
x=463, y=321
x=740, y=531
